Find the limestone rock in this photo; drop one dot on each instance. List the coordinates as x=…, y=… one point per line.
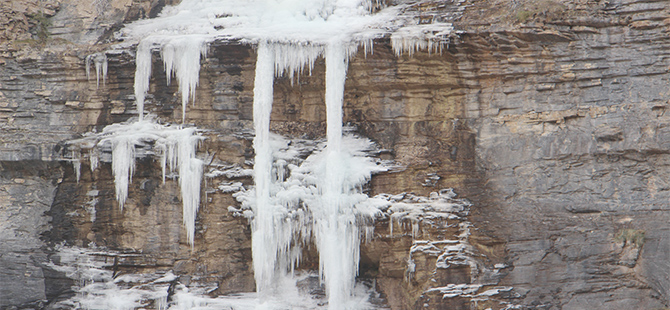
x=548, y=116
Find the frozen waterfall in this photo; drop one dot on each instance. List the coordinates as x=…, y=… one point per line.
x=317, y=200
x=331, y=215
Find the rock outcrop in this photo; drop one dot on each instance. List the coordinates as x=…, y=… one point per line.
x=546, y=116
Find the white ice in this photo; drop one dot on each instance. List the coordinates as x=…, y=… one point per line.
x=295, y=204
x=101, y=64
x=97, y=287
x=321, y=198
x=174, y=145
x=302, y=27
x=412, y=38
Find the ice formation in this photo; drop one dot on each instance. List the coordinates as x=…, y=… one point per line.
x=174, y=145
x=442, y=210
x=295, y=203
x=100, y=62
x=76, y=164
x=318, y=200
x=303, y=27
x=275, y=240
x=142, y=75
x=337, y=229
x=280, y=225
x=429, y=37
x=181, y=58
x=97, y=287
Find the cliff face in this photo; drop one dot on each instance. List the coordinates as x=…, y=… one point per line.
x=548, y=116
x=570, y=138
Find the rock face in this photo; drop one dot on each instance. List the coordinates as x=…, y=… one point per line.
x=547, y=116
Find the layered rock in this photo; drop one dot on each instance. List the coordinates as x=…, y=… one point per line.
x=548, y=116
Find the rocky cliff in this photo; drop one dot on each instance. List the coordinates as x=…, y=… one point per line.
x=546, y=116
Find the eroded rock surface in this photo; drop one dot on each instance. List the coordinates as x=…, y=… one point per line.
x=548, y=116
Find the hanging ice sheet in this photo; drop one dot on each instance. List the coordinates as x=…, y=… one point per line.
x=174, y=146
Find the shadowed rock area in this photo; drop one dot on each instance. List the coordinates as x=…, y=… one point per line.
x=547, y=117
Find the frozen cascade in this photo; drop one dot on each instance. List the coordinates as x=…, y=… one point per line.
x=328, y=182
x=319, y=200
x=279, y=226
x=264, y=242
x=296, y=203
x=337, y=235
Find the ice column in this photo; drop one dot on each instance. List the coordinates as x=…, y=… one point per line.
x=336, y=231
x=190, y=178
x=263, y=243
x=277, y=231
x=142, y=74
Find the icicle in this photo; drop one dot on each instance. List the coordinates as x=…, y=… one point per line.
x=168, y=54
x=190, y=177
x=292, y=59
x=100, y=62
x=181, y=57
x=105, y=66
x=263, y=242
x=413, y=38
x=415, y=228
x=76, y=164
x=88, y=67
x=337, y=234
x=123, y=165
x=391, y=226
x=163, y=157
x=93, y=158
x=368, y=46
x=142, y=74
x=100, y=67
x=161, y=302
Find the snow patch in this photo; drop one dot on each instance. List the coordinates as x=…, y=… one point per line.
x=96, y=286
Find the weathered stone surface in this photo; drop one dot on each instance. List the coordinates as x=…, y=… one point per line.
x=26, y=193
x=548, y=115
x=570, y=139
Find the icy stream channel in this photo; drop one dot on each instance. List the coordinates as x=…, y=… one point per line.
x=326, y=206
